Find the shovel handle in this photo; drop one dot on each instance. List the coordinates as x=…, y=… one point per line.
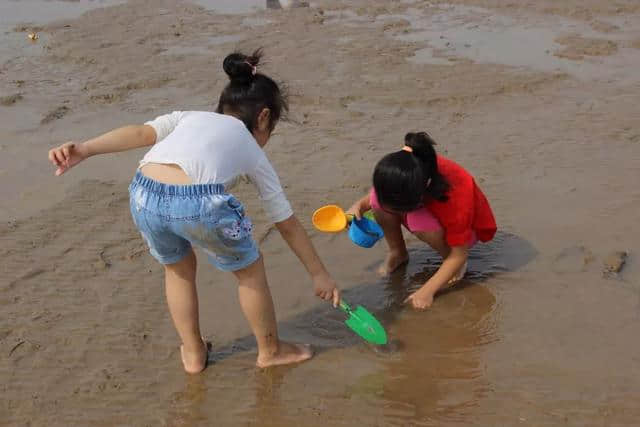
x=344, y=306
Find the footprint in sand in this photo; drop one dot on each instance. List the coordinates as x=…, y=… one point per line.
x=574, y=259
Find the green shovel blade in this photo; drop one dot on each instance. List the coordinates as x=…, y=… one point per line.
x=364, y=324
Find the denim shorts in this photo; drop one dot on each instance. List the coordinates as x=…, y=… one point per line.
x=171, y=218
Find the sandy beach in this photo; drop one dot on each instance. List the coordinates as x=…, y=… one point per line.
x=538, y=100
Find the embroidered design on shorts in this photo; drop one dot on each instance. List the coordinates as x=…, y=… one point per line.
x=238, y=230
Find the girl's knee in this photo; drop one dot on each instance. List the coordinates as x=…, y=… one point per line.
x=255, y=270
x=435, y=239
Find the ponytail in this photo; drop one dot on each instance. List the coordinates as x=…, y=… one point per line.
x=422, y=146
x=406, y=179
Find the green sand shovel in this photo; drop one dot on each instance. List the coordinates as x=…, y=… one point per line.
x=364, y=324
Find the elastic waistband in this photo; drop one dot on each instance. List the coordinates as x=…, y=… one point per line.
x=177, y=190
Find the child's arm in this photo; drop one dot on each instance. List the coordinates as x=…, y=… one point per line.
x=278, y=209
x=121, y=139
x=423, y=297
x=298, y=240
x=125, y=138
x=360, y=207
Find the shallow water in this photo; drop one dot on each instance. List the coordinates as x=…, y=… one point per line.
x=244, y=6
x=430, y=373
x=480, y=35
x=452, y=33
x=233, y=6
x=32, y=13
x=43, y=11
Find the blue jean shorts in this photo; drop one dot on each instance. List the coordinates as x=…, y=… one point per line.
x=172, y=218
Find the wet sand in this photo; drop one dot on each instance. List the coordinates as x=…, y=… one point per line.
x=538, y=101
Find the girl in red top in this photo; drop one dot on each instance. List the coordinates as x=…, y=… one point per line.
x=436, y=200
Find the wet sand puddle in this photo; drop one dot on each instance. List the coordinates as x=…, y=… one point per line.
x=457, y=32
x=19, y=18
x=433, y=374
x=430, y=373
x=246, y=6
x=233, y=6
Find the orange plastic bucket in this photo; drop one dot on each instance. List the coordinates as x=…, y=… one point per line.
x=330, y=219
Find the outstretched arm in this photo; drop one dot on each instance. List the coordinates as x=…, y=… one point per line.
x=125, y=138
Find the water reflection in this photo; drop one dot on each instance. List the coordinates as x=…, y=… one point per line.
x=433, y=372
x=440, y=376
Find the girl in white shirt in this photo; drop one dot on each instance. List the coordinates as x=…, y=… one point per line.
x=179, y=198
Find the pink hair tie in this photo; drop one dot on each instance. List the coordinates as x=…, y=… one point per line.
x=254, y=69
x=407, y=149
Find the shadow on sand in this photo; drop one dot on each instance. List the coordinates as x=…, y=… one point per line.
x=322, y=326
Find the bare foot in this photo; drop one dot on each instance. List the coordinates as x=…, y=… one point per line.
x=287, y=353
x=393, y=261
x=195, y=362
x=459, y=275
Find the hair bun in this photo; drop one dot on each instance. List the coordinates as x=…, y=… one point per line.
x=241, y=68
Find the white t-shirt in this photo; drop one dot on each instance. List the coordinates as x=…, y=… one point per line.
x=214, y=148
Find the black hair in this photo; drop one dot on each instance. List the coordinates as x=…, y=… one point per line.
x=405, y=180
x=249, y=92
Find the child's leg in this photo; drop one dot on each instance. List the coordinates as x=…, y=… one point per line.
x=257, y=305
x=392, y=226
x=182, y=298
x=436, y=240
